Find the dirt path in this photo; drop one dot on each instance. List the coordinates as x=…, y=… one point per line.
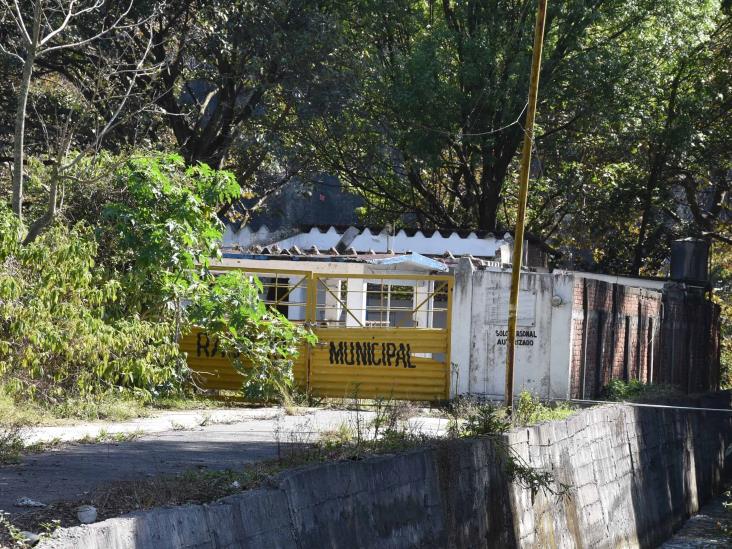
x=211, y=441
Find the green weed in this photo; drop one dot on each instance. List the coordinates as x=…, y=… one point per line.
x=619, y=390
x=529, y=410
x=11, y=441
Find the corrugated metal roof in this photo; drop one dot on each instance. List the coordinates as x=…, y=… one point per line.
x=294, y=254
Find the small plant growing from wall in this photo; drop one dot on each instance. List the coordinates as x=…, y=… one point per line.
x=261, y=341
x=529, y=410
x=471, y=418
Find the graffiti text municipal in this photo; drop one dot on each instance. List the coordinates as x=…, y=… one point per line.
x=363, y=353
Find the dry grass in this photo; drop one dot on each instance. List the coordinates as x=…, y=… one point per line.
x=11, y=441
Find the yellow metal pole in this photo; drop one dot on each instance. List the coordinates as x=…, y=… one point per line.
x=448, y=330
x=518, y=249
x=311, y=312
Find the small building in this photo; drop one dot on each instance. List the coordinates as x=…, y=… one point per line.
x=576, y=331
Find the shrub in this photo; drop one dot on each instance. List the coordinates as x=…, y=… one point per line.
x=618, y=389
x=56, y=337
x=485, y=419
x=634, y=389
x=529, y=410
x=472, y=418
x=11, y=441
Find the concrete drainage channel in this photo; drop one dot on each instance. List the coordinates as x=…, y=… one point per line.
x=636, y=474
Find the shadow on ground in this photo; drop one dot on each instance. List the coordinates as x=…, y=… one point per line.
x=71, y=472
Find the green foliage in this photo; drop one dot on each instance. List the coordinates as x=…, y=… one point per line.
x=11, y=441
x=531, y=478
x=418, y=106
x=262, y=342
x=55, y=336
x=485, y=419
x=634, y=389
x=646, y=160
x=618, y=389
x=633, y=137
x=470, y=418
x=112, y=405
x=163, y=233
x=529, y=410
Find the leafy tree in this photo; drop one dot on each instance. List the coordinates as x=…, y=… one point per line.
x=237, y=78
x=633, y=137
x=721, y=275
x=161, y=235
x=434, y=124
x=651, y=163
x=87, y=310
x=37, y=31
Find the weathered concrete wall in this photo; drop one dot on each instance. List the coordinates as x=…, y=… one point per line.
x=635, y=474
x=480, y=317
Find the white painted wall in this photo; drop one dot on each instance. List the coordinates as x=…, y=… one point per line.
x=461, y=327
x=562, y=336
x=480, y=320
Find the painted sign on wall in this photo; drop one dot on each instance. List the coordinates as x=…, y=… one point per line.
x=370, y=353
x=523, y=337
x=210, y=346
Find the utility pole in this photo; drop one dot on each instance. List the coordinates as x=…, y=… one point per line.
x=518, y=240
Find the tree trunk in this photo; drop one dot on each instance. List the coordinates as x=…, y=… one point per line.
x=18, y=153
x=491, y=184
x=638, y=253
x=19, y=137
x=47, y=218
x=488, y=211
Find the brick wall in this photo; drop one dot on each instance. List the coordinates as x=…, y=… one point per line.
x=621, y=332
x=616, y=335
